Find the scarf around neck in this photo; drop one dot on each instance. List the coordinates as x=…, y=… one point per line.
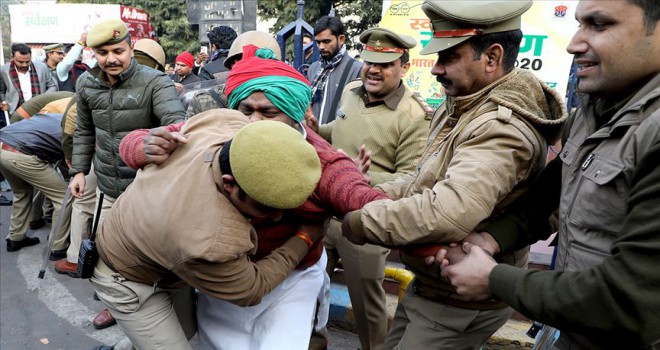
x=34, y=81
x=321, y=77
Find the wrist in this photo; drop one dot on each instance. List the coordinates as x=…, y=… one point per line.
x=305, y=237
x=491, y=243
x=79, y=42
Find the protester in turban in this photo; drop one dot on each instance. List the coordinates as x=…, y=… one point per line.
x=260, y=71
x=264, y=88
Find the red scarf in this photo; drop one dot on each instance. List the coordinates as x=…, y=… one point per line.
x=34, y=82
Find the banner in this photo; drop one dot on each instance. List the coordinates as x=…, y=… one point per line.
x=55, y=23
x=63, y=23
x=547, y=29
x=138, y=23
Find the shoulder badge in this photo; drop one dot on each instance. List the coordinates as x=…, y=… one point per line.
x=425, y=106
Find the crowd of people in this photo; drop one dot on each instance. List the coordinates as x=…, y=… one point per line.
x=283, y=174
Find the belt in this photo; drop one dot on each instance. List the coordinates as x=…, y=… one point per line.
x=104, y=268
x=8, y=148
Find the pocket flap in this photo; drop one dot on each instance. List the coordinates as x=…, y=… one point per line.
x=568, y=153
x=602, y=171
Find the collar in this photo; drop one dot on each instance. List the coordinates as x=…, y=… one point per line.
x=391, y=101
x=460, y=104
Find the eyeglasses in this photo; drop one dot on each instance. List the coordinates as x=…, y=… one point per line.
x=59, y=52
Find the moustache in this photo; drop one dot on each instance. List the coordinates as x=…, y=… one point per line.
x=443, y=81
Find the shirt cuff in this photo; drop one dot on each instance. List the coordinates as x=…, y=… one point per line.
x=355, y=223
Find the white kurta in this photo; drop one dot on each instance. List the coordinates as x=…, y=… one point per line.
x=283, y=320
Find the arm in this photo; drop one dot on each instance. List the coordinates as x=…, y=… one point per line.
x=484, y=168
x=70, y=58
x=68, y=128
x=165, y=100
x=325, y=131
x=143, y=146
x=411, y=145
x=619, y=295
x=527, y=221
x=51, y=83
x=84, y=136
x=241, y=281
x=3, y=90
x=204, y=74
x=342, y=187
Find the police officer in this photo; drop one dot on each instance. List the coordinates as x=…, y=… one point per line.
x=379, y=112
x=487, y=144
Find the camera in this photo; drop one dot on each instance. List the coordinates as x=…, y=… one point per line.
x=87, y=258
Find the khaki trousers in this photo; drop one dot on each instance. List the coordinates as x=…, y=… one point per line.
x=41, y=207
x=364, y=266
x=423, y=324
x=26, y=174
x=153, y=318
x=82, y=214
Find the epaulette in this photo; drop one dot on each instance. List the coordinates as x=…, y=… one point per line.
x=425, y=106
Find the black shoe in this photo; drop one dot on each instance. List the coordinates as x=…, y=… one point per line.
x=57, y=255
x=103, y=347
x=13, y=246
x=35, y=225
x=4, y=201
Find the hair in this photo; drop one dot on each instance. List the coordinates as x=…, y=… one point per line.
x=510, y=41
x=225, y=166
x=405, y=57
x=651, y=13
x=333, y=23
x=20, y=48
x=308, y=35
x=222, y=37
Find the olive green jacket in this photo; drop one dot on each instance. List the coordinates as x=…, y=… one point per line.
x=142, y=98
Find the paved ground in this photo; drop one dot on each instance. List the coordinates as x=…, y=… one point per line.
x=56, y=312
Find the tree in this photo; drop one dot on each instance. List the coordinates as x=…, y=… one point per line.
x=169, y=20
x=367, y=12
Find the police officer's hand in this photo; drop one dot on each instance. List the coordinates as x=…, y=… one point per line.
x=159, y=143
x=470, y=275
x=77, y=185
x=362, y=161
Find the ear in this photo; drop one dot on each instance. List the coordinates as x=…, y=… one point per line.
x=404, y=69
x=229, y=183
x=494, y=57
x=341, y=39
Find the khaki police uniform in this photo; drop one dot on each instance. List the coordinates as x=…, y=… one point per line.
x=395, y=130
x=53, y=48
x=431, y=319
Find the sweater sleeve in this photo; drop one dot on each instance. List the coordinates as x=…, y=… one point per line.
x=342, y=186
x=63, y=67
x=131, y=147
x=618, y=297
x=241, y=281
x=84, y=137
x=166, y=104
